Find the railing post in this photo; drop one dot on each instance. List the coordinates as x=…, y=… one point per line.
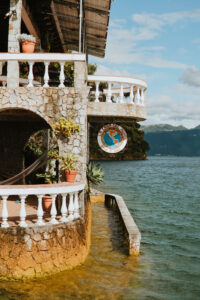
x=30, y=75
x=121, y=93
x=40, y=211
x=76, y=206
x=71, y=207
x=80, y=75
x=137, y=96
x=53, y=210
x=4, y=213
x=23, y=212
x=109, y=95
x=142, y=97
x=46, y=74
x=131, y=95
x=64, y=208
x=62, y=75
x=14, y=29
x=97, y=92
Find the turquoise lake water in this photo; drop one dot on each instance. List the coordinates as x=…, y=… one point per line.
x=163, y=195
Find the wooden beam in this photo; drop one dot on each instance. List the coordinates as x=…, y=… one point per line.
x=58, y=27
x=28, y=20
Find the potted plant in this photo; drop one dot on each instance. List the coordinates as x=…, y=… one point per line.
x=54, y=154
x=48, y=177
x=66, y=127
x=94, y=175
x=68, y=164
x=28, y=42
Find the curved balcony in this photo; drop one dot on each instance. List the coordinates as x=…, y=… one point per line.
x=21, y=205
x=123, y=96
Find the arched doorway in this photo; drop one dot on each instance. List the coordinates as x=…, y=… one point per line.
x=16, y=126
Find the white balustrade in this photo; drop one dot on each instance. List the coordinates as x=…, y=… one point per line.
x=121, y=99
x=137, y=96
x=4, y=213
x=71, y=207
x=46, y=59
x=62, y=75
x=40, y=212
x=118, y=88
x=23, y=212
x=97, y=92
x=76, y=206
x=131, y=95
x=70, y=210
x=30, y=75
x=46, y=74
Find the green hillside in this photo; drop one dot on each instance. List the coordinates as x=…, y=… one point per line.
x=177, y=142
x=161, y=128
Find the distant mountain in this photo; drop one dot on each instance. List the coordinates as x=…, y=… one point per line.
x=161, y=128
x=170, y=140
x=198, y=127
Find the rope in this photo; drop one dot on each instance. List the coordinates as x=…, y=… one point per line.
x=36, y=165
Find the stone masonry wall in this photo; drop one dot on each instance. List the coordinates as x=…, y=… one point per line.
x=51, y=104
x=43, y=250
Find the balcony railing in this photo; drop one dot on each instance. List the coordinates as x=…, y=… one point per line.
x=71, y=205
x=46, y=59
x=120, y=89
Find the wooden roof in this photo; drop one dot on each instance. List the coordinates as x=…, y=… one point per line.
x=94, y=26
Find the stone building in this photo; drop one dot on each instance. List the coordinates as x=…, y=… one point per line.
x=32, y=98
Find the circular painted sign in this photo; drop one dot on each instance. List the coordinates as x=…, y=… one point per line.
x=112, y=138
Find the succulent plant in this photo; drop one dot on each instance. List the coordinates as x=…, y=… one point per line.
x=26, y=37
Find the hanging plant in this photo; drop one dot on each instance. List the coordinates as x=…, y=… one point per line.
x=67, y=127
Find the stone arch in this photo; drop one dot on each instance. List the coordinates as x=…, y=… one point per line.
x=16, y=126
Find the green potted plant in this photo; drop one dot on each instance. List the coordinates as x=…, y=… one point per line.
x=54, y=154
x=67, y=127
x=69, y=164
x=94, y=175
x=28, y=42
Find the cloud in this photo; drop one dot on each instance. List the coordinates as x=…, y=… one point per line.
x=105, y=70
x=123, y=46
x=158, y=21
x=191, y=77
x=166, y=109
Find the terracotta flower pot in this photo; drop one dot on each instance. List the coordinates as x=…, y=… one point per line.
x=70, y=175
x=47, y=203
x=28, y=46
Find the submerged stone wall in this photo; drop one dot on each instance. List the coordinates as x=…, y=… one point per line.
x=43, y=250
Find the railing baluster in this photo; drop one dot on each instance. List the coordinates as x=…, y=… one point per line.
x=109, y=94
x=76, y=206
x=40, y=212
x=62, y=75
x=46, y=74
x=53, y=210
x=64, y=209
x=142, y=97
x=97, y=92
x=121, y=93
x=4, y=213
x=30, y=75
x=137, y=96
x=23, y=212
x=131, y=95
x=71, y=207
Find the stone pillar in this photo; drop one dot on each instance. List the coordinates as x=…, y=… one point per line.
x=80, y=75
x=13, y=43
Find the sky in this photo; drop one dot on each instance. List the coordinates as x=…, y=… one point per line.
x=158, y=41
